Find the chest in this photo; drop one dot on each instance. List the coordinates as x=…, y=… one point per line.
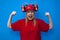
x=30, y=27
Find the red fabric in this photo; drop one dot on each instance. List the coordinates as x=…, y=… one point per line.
x=30, y=32
x=30, y=7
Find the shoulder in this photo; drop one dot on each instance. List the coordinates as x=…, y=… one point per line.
x=21, y=20
x=39, y=20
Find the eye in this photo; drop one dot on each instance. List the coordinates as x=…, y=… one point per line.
x=28, y=12
x=32, y=11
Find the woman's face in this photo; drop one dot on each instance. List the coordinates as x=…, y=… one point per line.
x=30, y=15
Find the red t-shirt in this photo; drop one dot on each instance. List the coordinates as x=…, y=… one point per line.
x=30, y=32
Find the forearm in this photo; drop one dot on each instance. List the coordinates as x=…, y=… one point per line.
x=50, y=23
x=9, y=21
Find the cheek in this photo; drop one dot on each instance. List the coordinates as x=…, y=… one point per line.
x=27, y=15
x=32, y=14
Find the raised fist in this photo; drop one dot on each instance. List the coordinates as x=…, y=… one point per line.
x=13, y=13
x=47, y=14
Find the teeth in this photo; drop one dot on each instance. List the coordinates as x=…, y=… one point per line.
x=30, y=16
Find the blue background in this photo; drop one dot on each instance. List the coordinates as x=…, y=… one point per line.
x=7, y=6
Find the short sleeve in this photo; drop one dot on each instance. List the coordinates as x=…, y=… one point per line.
x=16, y=26
x=44, y=26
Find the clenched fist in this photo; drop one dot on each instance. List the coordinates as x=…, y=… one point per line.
x=47, y=14
x=13, y=13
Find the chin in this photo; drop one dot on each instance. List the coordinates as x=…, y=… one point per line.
x=30, y=19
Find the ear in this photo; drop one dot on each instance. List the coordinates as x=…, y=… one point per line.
x=36, y=7
x=23, y=8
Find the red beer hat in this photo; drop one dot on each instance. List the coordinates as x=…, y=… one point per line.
x=29, y=7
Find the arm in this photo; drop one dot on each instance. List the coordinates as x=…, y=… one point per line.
x=50, y=20
x=10, y=19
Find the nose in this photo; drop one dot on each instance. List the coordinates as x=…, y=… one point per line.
x=30, y=13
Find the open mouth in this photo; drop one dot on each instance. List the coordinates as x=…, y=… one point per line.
x=30, y=16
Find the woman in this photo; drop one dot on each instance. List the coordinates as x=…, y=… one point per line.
x=30, y=27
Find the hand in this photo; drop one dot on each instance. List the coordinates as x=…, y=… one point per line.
x=13, y=13
x=47, y=14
